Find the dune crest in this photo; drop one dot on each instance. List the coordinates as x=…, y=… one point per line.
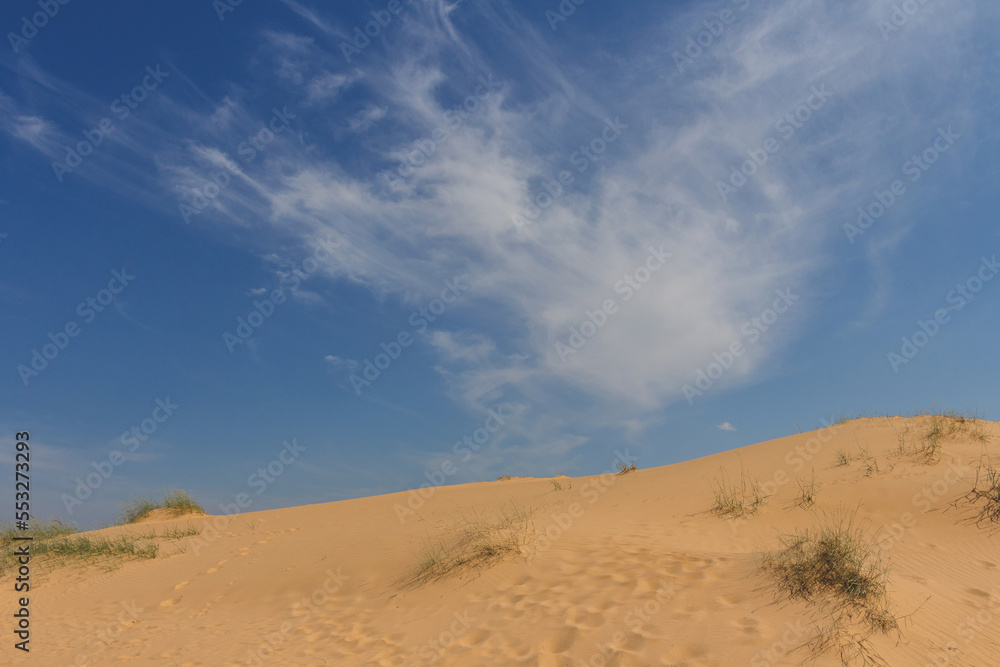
x=644, y=567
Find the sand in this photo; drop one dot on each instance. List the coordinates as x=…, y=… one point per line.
x=629, y=569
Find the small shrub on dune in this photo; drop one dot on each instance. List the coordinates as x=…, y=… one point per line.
x=986, y=491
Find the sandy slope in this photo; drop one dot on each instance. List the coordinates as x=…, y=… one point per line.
x=638, y=574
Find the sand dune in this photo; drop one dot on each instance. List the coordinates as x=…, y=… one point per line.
x=629, y=569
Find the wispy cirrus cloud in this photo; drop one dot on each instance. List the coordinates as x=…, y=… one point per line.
x=656, y=184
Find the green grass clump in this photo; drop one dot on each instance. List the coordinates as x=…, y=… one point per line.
x=474, y=544
x=737, y=500
x=834, y=563
x=54, y=545
x=138, y=508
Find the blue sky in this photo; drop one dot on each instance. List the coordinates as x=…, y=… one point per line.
x=607, y=226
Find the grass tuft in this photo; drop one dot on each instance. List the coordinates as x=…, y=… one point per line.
x=834, y=563
x=737, y=500
x=54, y=545
x=624, y=469
x=138, y=508
x=474, y=544
x=807, y=491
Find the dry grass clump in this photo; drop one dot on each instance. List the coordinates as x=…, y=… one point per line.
x=834, y=564
x=935, y=427
x=987, y=491
x=737, y=500
x=139, y=508
x=624, y=469
x=807, y=491
x=474, y=544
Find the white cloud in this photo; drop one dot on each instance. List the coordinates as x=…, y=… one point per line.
x=468, y=347
x=364, y=119
x=655, y=184
x=338, y=362
x=726, y=426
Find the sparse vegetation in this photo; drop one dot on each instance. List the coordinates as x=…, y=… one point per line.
x=934, y=428
x=843, y=418
x=54, y=545
x=835, y=564
x=737, y=500
x=557, y=486
x=807, y=491
x=138, y=508
x=844, y=458
x=504, y=477
x=624, y=469
x=473, y=544
x=986, y=491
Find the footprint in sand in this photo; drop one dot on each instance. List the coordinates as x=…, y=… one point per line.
x=170, y=603
x=181, y=585
x=218, y=565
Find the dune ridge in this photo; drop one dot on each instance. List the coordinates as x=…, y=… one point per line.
x=640, y=567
